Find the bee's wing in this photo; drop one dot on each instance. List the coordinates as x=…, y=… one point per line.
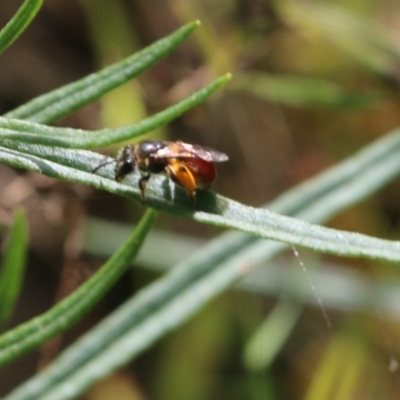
x=207, y=153
x=182, y=150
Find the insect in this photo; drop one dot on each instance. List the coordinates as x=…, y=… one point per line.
x=189, y=165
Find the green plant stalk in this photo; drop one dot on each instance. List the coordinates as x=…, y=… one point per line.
x=33, y=133
x=71, y=309
x=269, y=338
x=19, y=22
x=51, y=106
x=13, y=267
x=223, y=212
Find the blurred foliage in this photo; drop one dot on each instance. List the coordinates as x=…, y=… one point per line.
x=316, y=80
x=13, y=268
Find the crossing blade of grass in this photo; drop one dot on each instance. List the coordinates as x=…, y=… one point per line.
x=34, y=133
x=214, y=268
x=338, y=288
x=19, y=22
x=60, y=102
x=71, y=309
x=13, y=267
x=224, y=212
x=266, y=342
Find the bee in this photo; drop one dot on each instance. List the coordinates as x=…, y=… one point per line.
x=189, y=165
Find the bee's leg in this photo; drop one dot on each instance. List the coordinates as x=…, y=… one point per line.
x=182, y=175
x=102, y=164
x=142, y=185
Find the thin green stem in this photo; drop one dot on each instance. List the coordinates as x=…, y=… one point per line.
x=53, y=105
x=19, y=22
x=34, y=133
x=63, y=315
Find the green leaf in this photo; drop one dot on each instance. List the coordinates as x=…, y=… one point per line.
x=60, y=102
x=296, y=91
x=34, y=133
x=338, y=288
x=216, y=210
x=13, y=267
x=271, y=335
x=68, y=311
x=19, y=22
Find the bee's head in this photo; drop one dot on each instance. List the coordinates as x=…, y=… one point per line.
x=125, y=163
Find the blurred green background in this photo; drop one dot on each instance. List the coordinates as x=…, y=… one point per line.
x=313, y=82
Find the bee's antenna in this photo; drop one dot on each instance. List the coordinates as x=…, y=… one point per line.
x=101, y=165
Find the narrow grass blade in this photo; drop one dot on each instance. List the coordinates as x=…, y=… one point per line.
x=60, y=102
x=33, y=133
x=270, y=336
x=19, y=22
x=13, y=267
x=64, y=314
x=227, y=213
